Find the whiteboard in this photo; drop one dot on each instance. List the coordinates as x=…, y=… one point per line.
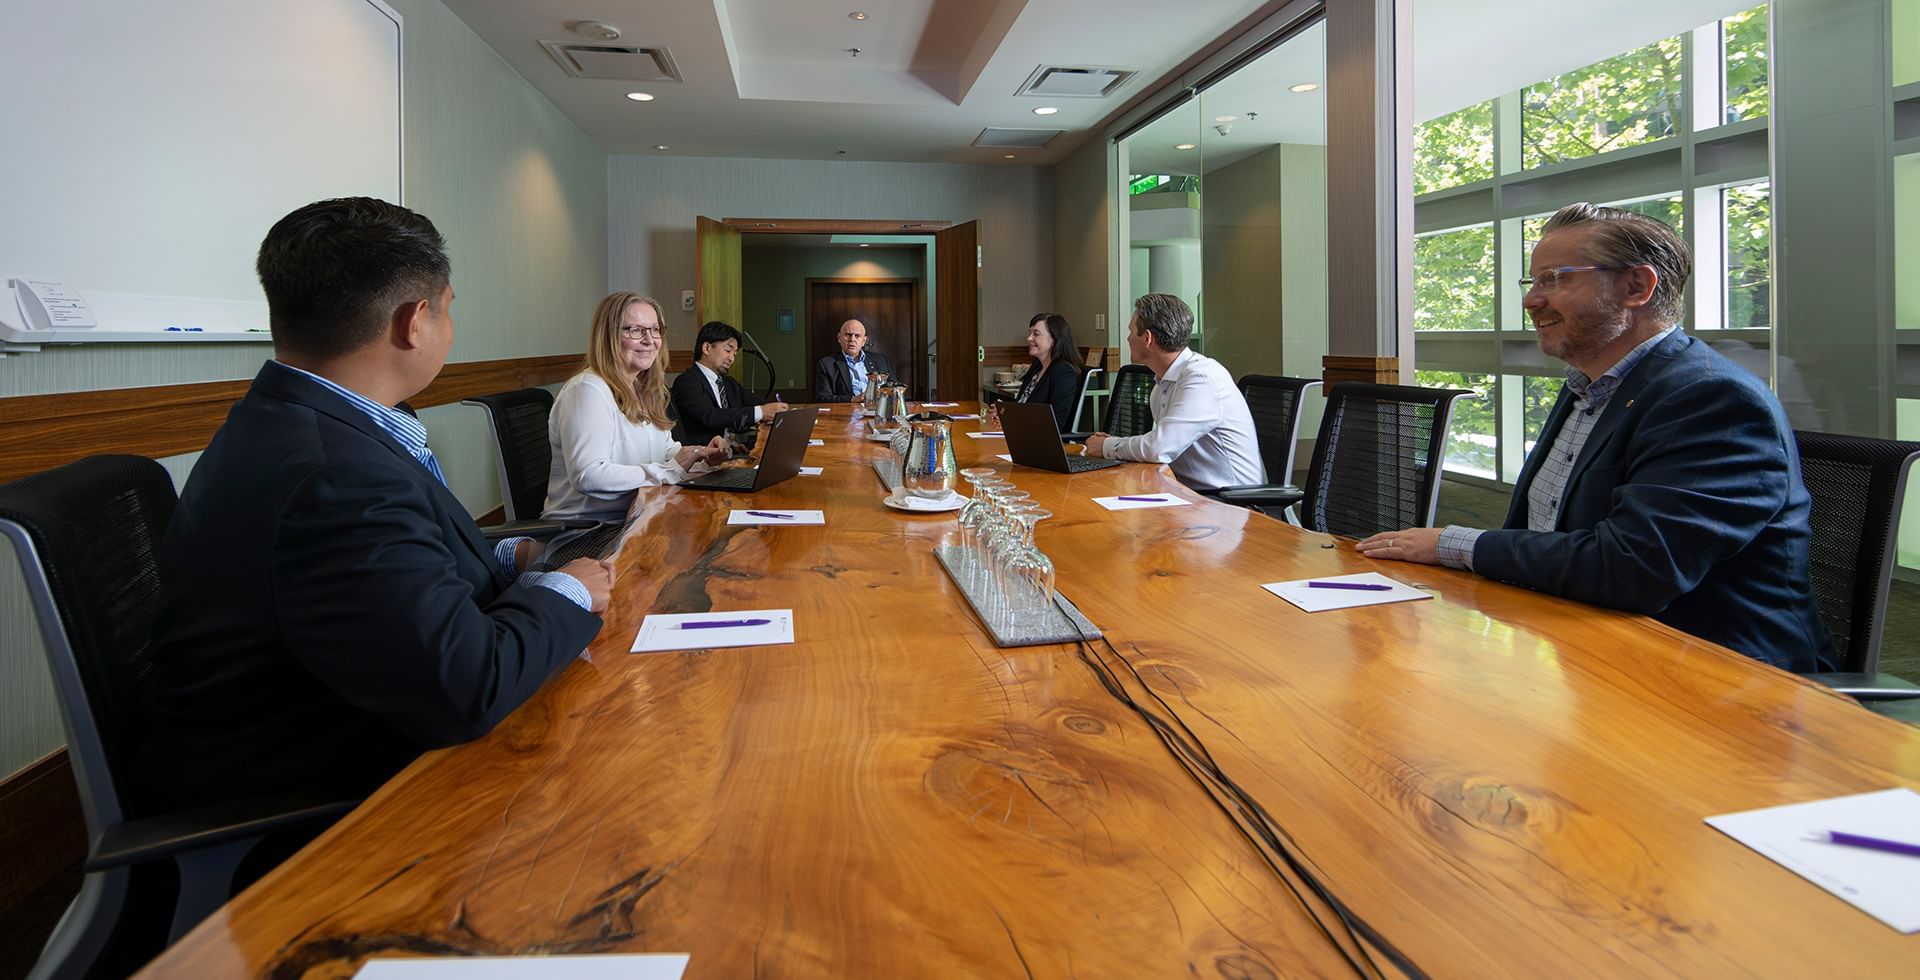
x=149, y=146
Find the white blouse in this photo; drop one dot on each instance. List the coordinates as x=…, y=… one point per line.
x=599, y=457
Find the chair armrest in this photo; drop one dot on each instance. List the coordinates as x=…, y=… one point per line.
x=1867, y=687
x=540, y=530
x=163, y=836
x=1275, y=495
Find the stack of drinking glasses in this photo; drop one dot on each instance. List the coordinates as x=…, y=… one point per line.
x=1010, y=580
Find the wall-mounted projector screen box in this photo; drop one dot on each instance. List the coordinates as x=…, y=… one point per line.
x=151, y=146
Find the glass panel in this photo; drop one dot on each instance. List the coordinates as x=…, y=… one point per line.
x=1623, y=101
x=1749, y=266
x=1455, y=149
x=1744, y=40
x=1906, y=241
x=1163, y=161
x=1906, y=42
x=1453, y=280
x=1471, y=445
x=1263, y=231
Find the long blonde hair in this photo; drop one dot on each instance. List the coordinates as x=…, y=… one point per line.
x=642, y=398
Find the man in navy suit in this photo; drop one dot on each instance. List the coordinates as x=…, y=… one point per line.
x=844, y=376
x=1667, y=480
x=330, y=609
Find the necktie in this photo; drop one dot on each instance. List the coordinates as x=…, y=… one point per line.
x=720, y=392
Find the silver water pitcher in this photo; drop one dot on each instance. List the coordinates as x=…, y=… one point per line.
x=870, y=399
x=927, y=467
x=891, y=411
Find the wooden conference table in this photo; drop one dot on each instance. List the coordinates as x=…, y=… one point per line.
x=1492, y=782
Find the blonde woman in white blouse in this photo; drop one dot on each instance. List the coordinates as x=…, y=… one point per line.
x=609, y=431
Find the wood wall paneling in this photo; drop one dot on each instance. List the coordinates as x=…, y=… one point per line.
x=39, y=432
x=1015, y=355
x=1336, y=368
x=41, y=830
x=957, y=302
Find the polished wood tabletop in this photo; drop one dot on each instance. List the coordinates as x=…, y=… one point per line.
x=1490, y=782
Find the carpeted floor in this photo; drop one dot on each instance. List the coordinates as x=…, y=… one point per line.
x=1475, y=506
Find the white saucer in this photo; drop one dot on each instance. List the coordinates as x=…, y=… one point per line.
x=926, y=505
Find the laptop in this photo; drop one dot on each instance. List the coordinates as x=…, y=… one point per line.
x=780, y=461
x=1033, y=439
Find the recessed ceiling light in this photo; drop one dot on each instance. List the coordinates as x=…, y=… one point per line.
x=662, y=146
x=1226, y=118
x=1008, y=156
x=857, y=15
x=640, y=96
x=1046, y=110
x=866, y=244
x=1184, y=146
x=1303, y=87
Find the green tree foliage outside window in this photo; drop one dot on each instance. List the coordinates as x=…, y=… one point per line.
x=1666, y=209
x=1455, y=149
x=1623, y=101
x=1744, y=39
x=1537, y=395
x=1749, y=211
x=1471, y=444
x=1453, y=280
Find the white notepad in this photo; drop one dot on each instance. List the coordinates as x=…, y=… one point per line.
x=939, y=404
x=809, y=471
x=816, y=442
x=1142, y=501
x=1003, y=457
x=735, y=628
x=986, y=435
x=770, y=516
x=1311, y=599
x=609, y=966
x=960, y=418
x=1883, y=885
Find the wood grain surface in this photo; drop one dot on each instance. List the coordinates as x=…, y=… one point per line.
x=1492, y=782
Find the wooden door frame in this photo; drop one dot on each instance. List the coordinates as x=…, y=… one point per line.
x=832, y=226
x=918, y=331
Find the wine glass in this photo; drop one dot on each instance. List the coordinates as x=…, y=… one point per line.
x=1029, y=563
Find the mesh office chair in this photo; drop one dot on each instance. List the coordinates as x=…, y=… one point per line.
x=1129, y=413
x=1376, y=465
x=1858, y=486
x=1275, y=403
x=520, y=449
x=88, y=536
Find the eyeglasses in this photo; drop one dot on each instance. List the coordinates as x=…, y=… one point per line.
x=638, y=332
x=1549, y=279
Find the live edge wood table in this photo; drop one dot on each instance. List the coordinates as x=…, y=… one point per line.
x=1493, y=782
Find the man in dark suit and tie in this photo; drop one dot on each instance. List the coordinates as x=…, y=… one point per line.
x=707, y=399
x=331, y=611
x=843, y=376
x=1667, y=481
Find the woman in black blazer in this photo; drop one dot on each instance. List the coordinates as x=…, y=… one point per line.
x=1054, y=375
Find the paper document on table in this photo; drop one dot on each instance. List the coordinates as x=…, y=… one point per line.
x=961, y=418
x=939, y=404
x=986, y=435
x=1003, y=457
x=1882, y=884
x=714, y=630
x=1362, y=589
x=777, y=517
x=816, y=442
x=609, y=966
x=1141, y=501
x=809, y=471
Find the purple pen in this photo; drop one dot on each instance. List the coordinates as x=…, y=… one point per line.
x=714, y=624
x=1146, y=500
x=764, y=513
x=1874, y=843
x=1355, y=586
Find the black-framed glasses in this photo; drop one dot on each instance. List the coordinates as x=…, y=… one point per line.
x=637, y=332
x=1550, y=279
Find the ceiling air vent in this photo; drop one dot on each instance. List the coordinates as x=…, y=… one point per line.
x=626, y=62
x=1030, y=138
x=1074, y=82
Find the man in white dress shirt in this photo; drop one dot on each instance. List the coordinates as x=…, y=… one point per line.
x=1201, y=423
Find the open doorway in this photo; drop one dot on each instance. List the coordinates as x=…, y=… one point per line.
x=891, y=309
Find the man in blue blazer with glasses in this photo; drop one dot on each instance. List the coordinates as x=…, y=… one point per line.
x=1666, y=481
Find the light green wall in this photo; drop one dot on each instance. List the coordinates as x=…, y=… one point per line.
x=521, y=195
x=1906, y=240
x=1906, y=42
x=776, y=277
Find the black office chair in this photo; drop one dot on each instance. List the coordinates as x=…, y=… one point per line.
x=524, y=458
x=1129, y=412
x=88, y=536
x=1858, y=486
x=1376, y=465
x=1275, y=402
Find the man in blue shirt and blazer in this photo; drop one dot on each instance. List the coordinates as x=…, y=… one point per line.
x=844, y=376
x=330, y=610
x=1667, y=481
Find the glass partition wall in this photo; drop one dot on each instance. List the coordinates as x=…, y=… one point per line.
x=1223, y=203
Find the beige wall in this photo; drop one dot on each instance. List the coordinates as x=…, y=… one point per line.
x=776, y=277
x=519, y=192
x=653, y=201
x=1082, y=241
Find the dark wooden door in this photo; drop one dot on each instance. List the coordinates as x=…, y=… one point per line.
x=891, y=310
x=957, y=310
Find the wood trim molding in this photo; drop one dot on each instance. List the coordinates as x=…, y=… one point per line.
x=831, y=226
x=41, y=830
x=39, y=432
x=1015, y=355
x=1336, y=368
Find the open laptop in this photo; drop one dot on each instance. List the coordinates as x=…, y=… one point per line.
x=1033, y=439
x=780, y=460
